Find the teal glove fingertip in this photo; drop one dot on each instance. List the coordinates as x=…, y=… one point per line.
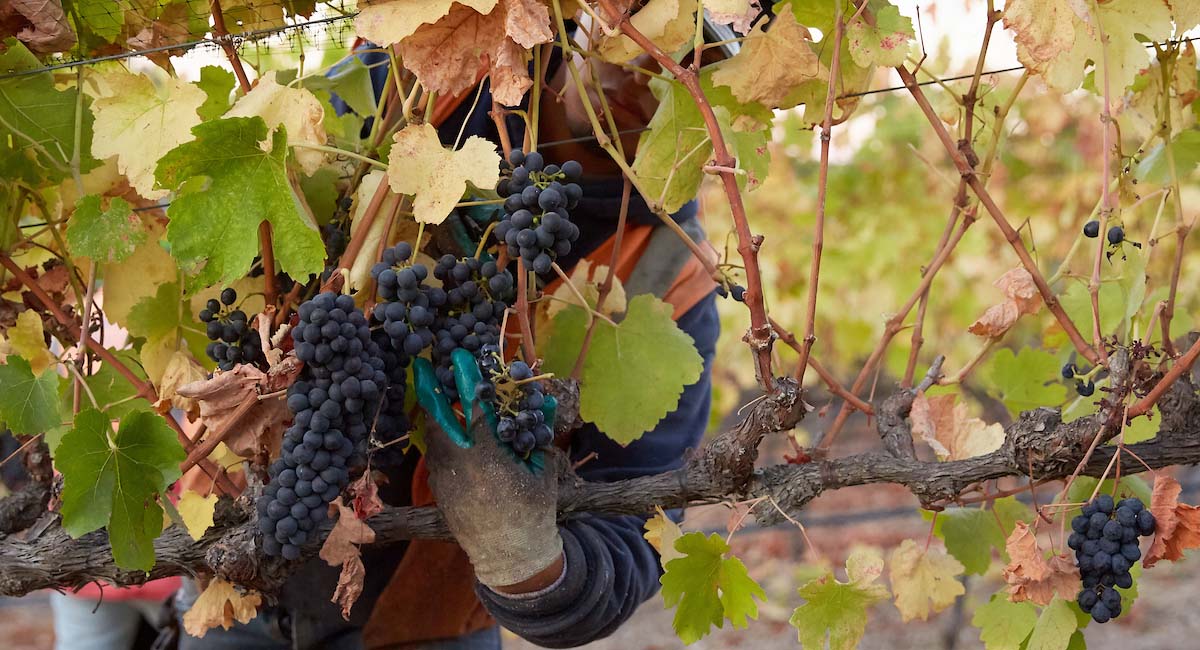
x=467, y=377
x=433, y=400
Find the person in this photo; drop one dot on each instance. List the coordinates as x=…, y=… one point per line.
x=555, y=583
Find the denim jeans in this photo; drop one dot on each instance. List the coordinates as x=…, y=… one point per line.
x=89, y=624
x=277, y=629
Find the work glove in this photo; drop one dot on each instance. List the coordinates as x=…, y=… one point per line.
x=502, y=509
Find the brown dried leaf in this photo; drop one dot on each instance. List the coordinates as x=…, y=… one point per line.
x=450, y=55
x=946, y=427
x=230, y=400
x=997, y=320
x=349, y=585
x=55, y=281
x=1020, y=288
x=47, y=29
x=1177, y=525
x=220, y=604
x=1028, y=574
x=348, y=533
x=367, y=503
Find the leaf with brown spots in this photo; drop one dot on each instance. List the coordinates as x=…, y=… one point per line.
x=1177, y=525
x=230, y=400
x=1028, y=574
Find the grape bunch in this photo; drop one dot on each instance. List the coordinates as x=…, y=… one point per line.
x=408, y=307
x=477, y=294
x=1105, y=541
x=233, y=341
x=518, y=400
x=334, y=404
x=537, y=223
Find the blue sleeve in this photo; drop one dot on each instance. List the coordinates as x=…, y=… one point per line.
x=610, y=568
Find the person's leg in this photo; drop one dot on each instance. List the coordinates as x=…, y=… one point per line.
x=488, y=639
x=86, y=624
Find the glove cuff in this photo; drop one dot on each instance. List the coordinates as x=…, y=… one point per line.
x=505, y=569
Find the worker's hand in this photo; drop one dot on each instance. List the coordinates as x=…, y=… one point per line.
x=501, y=509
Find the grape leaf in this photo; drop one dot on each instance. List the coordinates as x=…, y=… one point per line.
x=671, y=154
x=839, y=609
x=139, y=121
x=668, y=23
x=771, y=63
x=1155, y=166
x=115, y=396
x=138, y=276
x=28, y=402
x=197, y=512
x=1057, y=38
x=852, y=78
x=350, y=81
x=214, y=231
x=161, y=314
x=1054, y=627
x=40, y=118
x=970, y=534
x=385, y=23
x=418, y=164
x=1077, y=302
x=104, y=18
x=647, y=344
x=216, y=83
x=1030, y=576
x=1025, y=380
x=1177, y=525
x=738, y=13
x=113, y=480
x=27, y=339
x=707, y=587
x=883, y=41
x=1003, y=624
x=924, y=580
x=950, y=430
x=104, y=235
x=662, y=534
x=296, y=109
x=221, y=603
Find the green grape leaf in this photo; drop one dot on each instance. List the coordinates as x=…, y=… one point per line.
x=113, y=480
x=1078, y=642
x=671, y=154
x=160, y=315
x=646, y=344
x=1155, y=167
x=38, y=117
x=1025, y=380
x=217, y=84
x=28, y=403
x=1003, y=624
x=970, y=534
x=1142, y=428
x=1077, y=302
x=351, y=81
x=104, y=18
x=852, y=78
x=707, y=587
x=839, y=609
x=1054, y=627
x=104, y=235
x=214, y=231
x=114, y=395
x=882, y=41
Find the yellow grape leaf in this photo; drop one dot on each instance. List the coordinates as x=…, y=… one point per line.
x=181, y=370
x=838, y=610
x=139, y=121
x=221, y=603
x=297, y=109
x=360, y=271
x=137, y=277
x=1056, y=38
x=197, y=512
x=950, y=431
x=27, y=340
x=436, y=176
x=924, y=581
x=662, y=533
x=449, y=55
x=385, y=23
x=772, y=63
x=1186, y=14
x=224, y=457
x=669, y=23
x=881, y=41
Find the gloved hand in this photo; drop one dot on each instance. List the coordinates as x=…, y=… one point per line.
x=501, y=509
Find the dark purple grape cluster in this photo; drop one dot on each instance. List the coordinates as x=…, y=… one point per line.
x=233, y=341
x=1105, y=541
x=408, y=307
x=537, y=220
x=334, y=405
x=477, y=294
x=518, y=399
